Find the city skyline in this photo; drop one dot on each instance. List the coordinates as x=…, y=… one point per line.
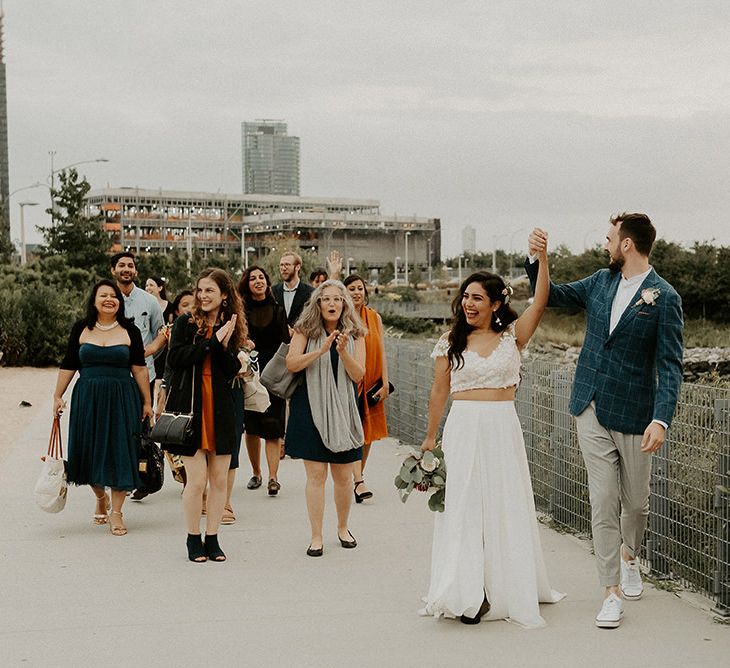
x=498, y=116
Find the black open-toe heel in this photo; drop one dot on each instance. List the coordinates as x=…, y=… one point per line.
x=483, y=610
x=359, y=498
x=212, y=549
x=196, y=549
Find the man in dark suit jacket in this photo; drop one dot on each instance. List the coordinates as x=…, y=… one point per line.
x=292, y=293
x=625, y=392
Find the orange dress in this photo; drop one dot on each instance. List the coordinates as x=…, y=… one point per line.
x=373, y=417
x=207, y=431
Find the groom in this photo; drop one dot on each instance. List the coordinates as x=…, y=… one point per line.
x=626, y=386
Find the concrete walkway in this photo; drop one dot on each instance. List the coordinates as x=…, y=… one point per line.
x=71, y=594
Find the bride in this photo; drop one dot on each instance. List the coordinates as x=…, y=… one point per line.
x=486, y=558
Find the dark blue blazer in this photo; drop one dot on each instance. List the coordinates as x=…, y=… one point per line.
x=301, y=297
x=634, y=373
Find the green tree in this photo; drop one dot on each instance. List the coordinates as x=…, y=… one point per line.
x=81, y=239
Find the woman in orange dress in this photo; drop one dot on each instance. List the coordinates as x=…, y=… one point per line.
x=203, y=359
x=376, y=372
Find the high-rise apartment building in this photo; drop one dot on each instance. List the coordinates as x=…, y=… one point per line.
x=4, y=165
x=468, y=239
x=270, y=158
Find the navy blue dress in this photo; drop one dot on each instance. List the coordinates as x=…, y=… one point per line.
x=104, y=420
x=302, y=437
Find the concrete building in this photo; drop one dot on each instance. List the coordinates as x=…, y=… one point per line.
x=270, y=158
x=156, y=221
x=468, y=239
x=4, y=162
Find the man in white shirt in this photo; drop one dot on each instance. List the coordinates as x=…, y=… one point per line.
x=625, y=391
x=144, y=310
x=292, y=293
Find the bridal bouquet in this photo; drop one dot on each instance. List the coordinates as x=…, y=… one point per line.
x=424, y=471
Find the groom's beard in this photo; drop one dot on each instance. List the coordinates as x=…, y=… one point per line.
x=615, y=264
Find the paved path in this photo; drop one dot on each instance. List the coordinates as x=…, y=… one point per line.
x=71, y=594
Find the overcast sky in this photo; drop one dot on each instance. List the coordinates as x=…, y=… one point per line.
x=501, y=115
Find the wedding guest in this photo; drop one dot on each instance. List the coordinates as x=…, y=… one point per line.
x=317, y=277
x=106, y=412
x=268, y=329
x=203, y=358
x=324, y=429
x=486, y=557
x=292, y=293
x=183, y=304
x=376, y=373
x=626, y=388
x=155, y=285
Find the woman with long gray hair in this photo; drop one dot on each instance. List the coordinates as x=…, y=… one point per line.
x=324, y=429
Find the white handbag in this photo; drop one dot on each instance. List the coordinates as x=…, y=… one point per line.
x=51, y=488
x=255, y=395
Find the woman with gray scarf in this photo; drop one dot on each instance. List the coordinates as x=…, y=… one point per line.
x=324, y=428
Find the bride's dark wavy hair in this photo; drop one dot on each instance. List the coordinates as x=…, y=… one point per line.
x=495, y=288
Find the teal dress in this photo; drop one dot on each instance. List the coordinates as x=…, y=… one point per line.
x=104, y=420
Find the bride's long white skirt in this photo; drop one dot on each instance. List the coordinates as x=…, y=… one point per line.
x=486, y=539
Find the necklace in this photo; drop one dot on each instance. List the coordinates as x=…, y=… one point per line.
x=106, y=328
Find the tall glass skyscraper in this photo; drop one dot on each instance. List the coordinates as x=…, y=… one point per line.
x=270, y=158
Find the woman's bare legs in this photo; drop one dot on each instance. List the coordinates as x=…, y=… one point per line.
x=253, y=447
x=316, y=478
x=115, y=516
x=342, y=478
x=358, y=470
x=273, y=448
x=196, y=470
x=217, y=483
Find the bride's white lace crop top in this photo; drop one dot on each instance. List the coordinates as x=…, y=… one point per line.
x=499, y=370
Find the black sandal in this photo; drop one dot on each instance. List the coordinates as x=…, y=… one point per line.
x=483, y=610
x=212, y=549
x=359, y=498
x=196, y=550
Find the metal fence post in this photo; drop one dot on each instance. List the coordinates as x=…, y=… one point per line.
x=721, y=576
x=559, y=435
x=659, y=511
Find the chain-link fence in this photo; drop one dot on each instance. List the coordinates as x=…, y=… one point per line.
x=688, y=538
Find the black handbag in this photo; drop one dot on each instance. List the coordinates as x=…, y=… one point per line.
x=175, y=428
x=151, y=463
x=370, y=394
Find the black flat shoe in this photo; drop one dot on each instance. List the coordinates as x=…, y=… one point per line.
x=483, y=610
x=348, y=543
x=273, y=487
x=196, y=549
x=212, y=549
x=315, y=551
x=359, y=498
x=254, y=482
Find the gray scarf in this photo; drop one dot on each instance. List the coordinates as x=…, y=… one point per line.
x=334, y=411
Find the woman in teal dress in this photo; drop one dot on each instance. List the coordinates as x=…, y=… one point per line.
x=108, y=403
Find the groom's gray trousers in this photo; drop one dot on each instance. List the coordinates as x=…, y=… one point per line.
x=618, y=484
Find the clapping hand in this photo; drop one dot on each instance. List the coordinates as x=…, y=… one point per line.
x=226, y=331
x=329, y=341
x=537, y=243
x=342, y=341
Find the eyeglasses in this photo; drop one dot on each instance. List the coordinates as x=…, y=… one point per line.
x=331, y=300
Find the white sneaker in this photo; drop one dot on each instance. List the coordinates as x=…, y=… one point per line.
x=611, y=612
x=631, y=585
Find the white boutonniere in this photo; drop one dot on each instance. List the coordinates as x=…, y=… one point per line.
x=648, y=296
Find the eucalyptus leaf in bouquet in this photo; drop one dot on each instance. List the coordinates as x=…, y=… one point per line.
x=426, y=472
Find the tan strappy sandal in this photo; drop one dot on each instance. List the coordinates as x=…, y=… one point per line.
x=103, y=518
x=118, y=529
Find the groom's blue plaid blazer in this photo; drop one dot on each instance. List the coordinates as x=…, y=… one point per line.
x=634, y=373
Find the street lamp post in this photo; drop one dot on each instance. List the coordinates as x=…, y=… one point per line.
x=23, y=257
x=407, y=234
x=53, y=173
